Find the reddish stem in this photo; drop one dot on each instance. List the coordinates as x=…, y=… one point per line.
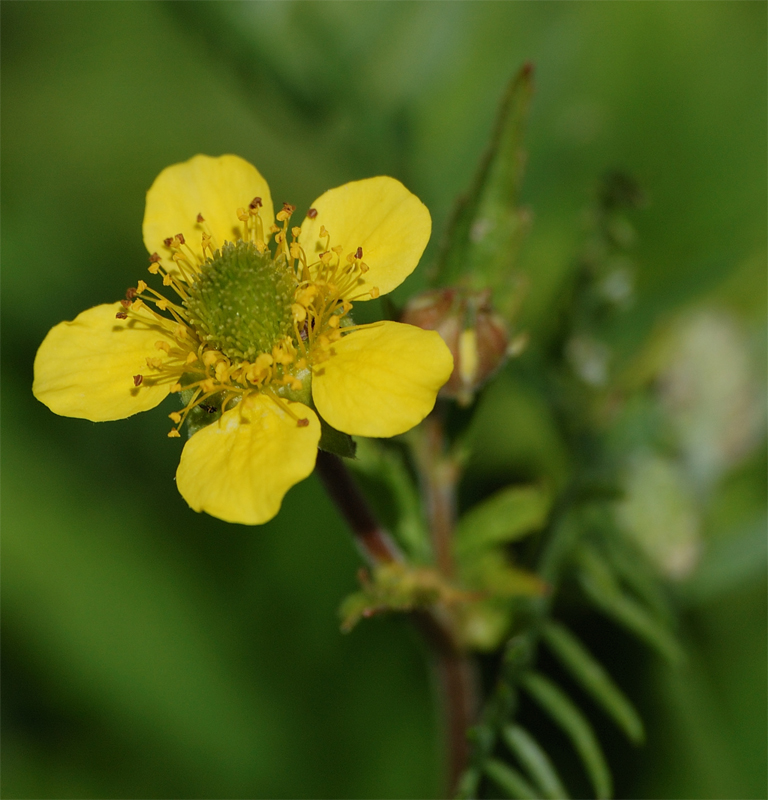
x=456, y=672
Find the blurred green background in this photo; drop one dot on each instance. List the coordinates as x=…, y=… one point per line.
x=152, y=652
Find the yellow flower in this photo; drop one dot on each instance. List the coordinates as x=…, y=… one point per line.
x=257, y=337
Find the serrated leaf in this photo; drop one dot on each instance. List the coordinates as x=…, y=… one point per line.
x=509, y=780
x=538, y=764
x=602, y=588
x=487, y=225
x=505, y=516
x=593, y=678
x=575, y=725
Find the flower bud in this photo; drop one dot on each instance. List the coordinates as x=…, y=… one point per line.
x=476, y=335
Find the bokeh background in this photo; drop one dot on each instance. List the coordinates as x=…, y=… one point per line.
x=152, y=652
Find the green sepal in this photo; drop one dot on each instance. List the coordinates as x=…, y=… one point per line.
x=336, y=442
x=203, y=414
x=487, y=226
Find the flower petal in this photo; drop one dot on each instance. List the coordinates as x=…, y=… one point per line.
x=240, y=467
x=85, y=368
x=379, y=215
x=213, y=187
x=382, y=380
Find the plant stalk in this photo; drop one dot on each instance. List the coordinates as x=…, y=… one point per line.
x=457, y=680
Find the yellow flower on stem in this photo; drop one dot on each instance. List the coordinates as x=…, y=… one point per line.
x=255, y=332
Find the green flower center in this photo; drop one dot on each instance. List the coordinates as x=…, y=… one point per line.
x=241, y=301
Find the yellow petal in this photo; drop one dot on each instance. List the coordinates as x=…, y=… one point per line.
x=213, y=187
x=379, y=215
x=239, y=468
x=383, y=379
x=85, y=368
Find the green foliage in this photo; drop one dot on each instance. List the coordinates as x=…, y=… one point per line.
x=603, y=589
x=575, y=725
x=151, y=652
x=506, y=516
x=593, y=678
x=487, y=227
x=538, y=764
x=509, y=780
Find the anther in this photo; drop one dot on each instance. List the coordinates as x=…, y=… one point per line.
x=126, y=303
x=154, y=257
x=138, y=380
x=121, y=315
x=200, y=218
x=286, y=213
x=255, y=203
x=359, y=252
x=180, y=237
x=175, y=417
x=302, y=423
x=168, y=242
x=141, y=287
x=131, y=293
x=173, y=434
x=312, y=213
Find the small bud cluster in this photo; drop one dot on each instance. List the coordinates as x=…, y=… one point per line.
x=476, y=335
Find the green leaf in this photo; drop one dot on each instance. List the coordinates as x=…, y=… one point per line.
x=336, y=442
x=530, y=754
x=491, y=572
x=510, y=514
x=594, y=679
x=575, y=725
x=509, y=780
x=602, y=588
x=487, y=225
